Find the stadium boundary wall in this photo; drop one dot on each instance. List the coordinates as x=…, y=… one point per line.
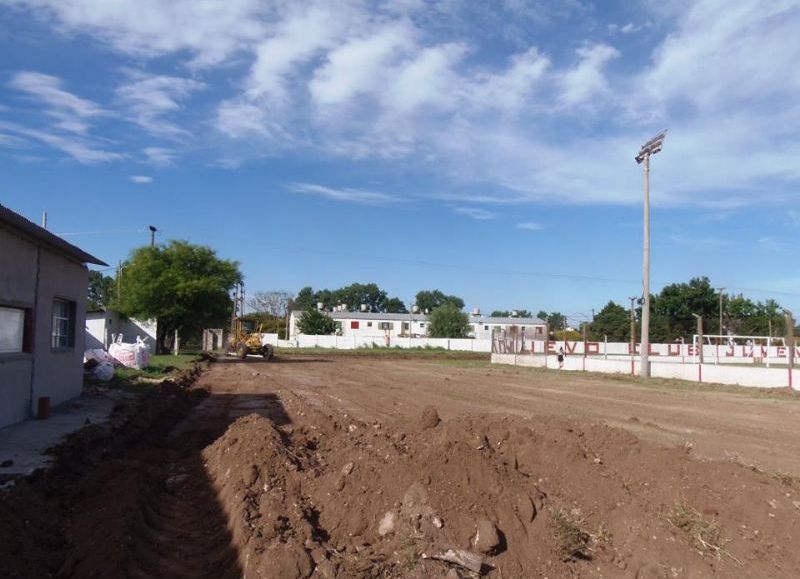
x=736, y=375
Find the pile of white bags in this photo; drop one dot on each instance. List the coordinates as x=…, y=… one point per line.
x=130, y=355
x=104, y=369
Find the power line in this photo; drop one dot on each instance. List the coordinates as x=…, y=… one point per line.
x=580, y=277
x=100, y=232
x=491, y=271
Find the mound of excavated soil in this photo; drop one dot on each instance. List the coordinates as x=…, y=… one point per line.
x=330, y=496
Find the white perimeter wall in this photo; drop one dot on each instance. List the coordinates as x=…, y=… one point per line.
x=758, y=377
x=353, y=341
x=680, y=353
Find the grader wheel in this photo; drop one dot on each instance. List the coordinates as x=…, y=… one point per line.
x=268, y=352
x=241, y=351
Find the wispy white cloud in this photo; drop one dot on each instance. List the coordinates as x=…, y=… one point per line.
x=210, y=31
x=586, y=81
x=78, y=147
x=408, y=80
x=159, y=156
x=71, y=112
x=346, y=195
x=476, y=213
x=151, y=97
x=361, y=65
x=141, y=179
x=530, y=226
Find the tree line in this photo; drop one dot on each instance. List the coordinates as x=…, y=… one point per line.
x=672, y=309
x=186, y=287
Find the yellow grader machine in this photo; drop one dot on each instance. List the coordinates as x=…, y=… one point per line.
x=246, y=340
x=245, y=337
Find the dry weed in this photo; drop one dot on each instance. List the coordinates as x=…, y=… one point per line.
x=704, y=536
x=572, y=541
x=785, y=479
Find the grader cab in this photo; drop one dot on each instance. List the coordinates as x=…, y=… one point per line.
x=246, y=340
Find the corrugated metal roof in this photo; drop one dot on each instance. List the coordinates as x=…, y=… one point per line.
x=40, y=234
x=422, y=318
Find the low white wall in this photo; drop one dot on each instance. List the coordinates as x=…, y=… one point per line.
x=756, y=355
x=757, y=377
x=269, y=339
x=352, y=342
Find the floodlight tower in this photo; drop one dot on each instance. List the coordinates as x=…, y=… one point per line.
x=651, y=147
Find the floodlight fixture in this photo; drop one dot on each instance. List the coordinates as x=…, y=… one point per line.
x=651, y=147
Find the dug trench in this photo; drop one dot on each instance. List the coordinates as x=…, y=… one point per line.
x=237, y=477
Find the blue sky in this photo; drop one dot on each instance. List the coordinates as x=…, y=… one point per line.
x=485, y=149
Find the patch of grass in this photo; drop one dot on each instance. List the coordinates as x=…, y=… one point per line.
x=133, y=380
x=572, y=542
x=704, y=536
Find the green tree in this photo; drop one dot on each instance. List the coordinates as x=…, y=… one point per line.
x=677, y=302
x=745, y=317
x=101, y=291
x=353, y=296
x=356, y=294
x=185, y=287
x=448, y=321
x=555, y=320
x=395, y=306
x=429, y=300
x=269, y=324
x=612, y=321
x=305, y=299
x=316, y=323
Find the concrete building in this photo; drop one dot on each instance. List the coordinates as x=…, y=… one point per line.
x=380, y=325
x=43, y=287
x=103, y=325
x=483, y=327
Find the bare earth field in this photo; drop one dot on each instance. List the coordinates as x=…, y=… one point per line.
x=743, y=424
x=373, y=467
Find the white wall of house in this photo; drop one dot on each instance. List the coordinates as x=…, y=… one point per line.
x=102, y=326
x=34, y=279
x=377, y=325
x=484, y=327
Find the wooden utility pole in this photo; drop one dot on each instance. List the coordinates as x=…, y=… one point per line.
x=699, y=337
x=633, y=327
x=789, y=337
x=119, y=281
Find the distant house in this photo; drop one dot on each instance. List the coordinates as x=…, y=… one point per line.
x=103, y=325
x=380, y=325
x=43, y=288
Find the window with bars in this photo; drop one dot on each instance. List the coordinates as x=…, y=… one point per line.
x=386, y=326
x=12, y=330
x=63, y=335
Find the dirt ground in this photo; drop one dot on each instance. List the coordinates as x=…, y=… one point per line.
x=751, y=427
x=337, y=466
